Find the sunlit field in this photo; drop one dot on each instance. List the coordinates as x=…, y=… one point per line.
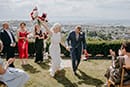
x=90, y=74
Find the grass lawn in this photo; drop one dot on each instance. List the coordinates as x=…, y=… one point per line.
x=91, y=74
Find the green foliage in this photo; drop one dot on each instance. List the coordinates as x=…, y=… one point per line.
x=93, y=47
x=102, y=47
x=90, y=74
x=99, y=47
x=94, y=39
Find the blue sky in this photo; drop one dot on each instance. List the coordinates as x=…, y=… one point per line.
x=89, y=9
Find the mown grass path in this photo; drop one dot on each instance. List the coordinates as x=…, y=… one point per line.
x=90, y=74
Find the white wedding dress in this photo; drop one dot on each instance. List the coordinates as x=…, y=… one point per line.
x=56, y=62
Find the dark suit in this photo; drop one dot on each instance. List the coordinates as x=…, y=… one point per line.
x=77, y=45
x=9, y=50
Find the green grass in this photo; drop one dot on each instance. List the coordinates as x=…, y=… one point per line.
x=90, y=74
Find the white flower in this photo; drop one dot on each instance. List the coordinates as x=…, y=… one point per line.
x=81, y=33
x=35, y=14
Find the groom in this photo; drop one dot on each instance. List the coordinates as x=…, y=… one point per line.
x=76, y=44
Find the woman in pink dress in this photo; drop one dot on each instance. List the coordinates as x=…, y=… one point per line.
x=23, y=43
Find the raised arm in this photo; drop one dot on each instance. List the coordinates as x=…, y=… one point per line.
x=3, y=69
x=44, y=24
x=112, y=53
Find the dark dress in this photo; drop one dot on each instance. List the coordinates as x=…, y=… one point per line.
x=39, y=47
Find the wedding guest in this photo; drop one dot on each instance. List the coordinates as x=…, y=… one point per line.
x=9, y=42
x=113, y=73
x=12, y=77
x=39, y=44
x=23, y=43
x=76, y=43
x=54, y=49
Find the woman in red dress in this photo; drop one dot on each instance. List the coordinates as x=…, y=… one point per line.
x=23, y=43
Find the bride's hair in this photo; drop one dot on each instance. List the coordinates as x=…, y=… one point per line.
x=56, y=25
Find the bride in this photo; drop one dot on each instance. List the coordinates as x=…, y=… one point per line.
x=54, y=49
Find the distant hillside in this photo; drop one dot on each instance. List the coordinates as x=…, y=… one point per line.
x=98, y=31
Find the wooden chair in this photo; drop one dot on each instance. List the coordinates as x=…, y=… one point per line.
x=122, y=78
x=122, y=84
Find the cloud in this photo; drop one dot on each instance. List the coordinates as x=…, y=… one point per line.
x=104, y=9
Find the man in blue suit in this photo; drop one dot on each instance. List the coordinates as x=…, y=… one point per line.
x=76, y=44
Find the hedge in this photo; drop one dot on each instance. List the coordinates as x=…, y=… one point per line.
x=103, y=47
x=99, y=47
x=93, y=47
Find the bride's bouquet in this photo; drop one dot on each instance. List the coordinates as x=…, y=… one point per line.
x=36, y=18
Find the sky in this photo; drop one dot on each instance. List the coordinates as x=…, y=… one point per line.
x=63, y=9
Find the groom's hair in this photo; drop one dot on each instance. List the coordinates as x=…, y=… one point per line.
x=78, y=27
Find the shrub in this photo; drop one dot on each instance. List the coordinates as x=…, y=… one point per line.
x=93, y=47
x=102, y=47
x=99, y=47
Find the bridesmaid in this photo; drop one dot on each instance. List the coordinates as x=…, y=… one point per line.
x=23, y=43
x=39, y=38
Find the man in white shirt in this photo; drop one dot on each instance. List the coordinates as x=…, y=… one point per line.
x=9, y=42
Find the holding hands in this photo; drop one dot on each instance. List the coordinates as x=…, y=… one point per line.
x=68, y=48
